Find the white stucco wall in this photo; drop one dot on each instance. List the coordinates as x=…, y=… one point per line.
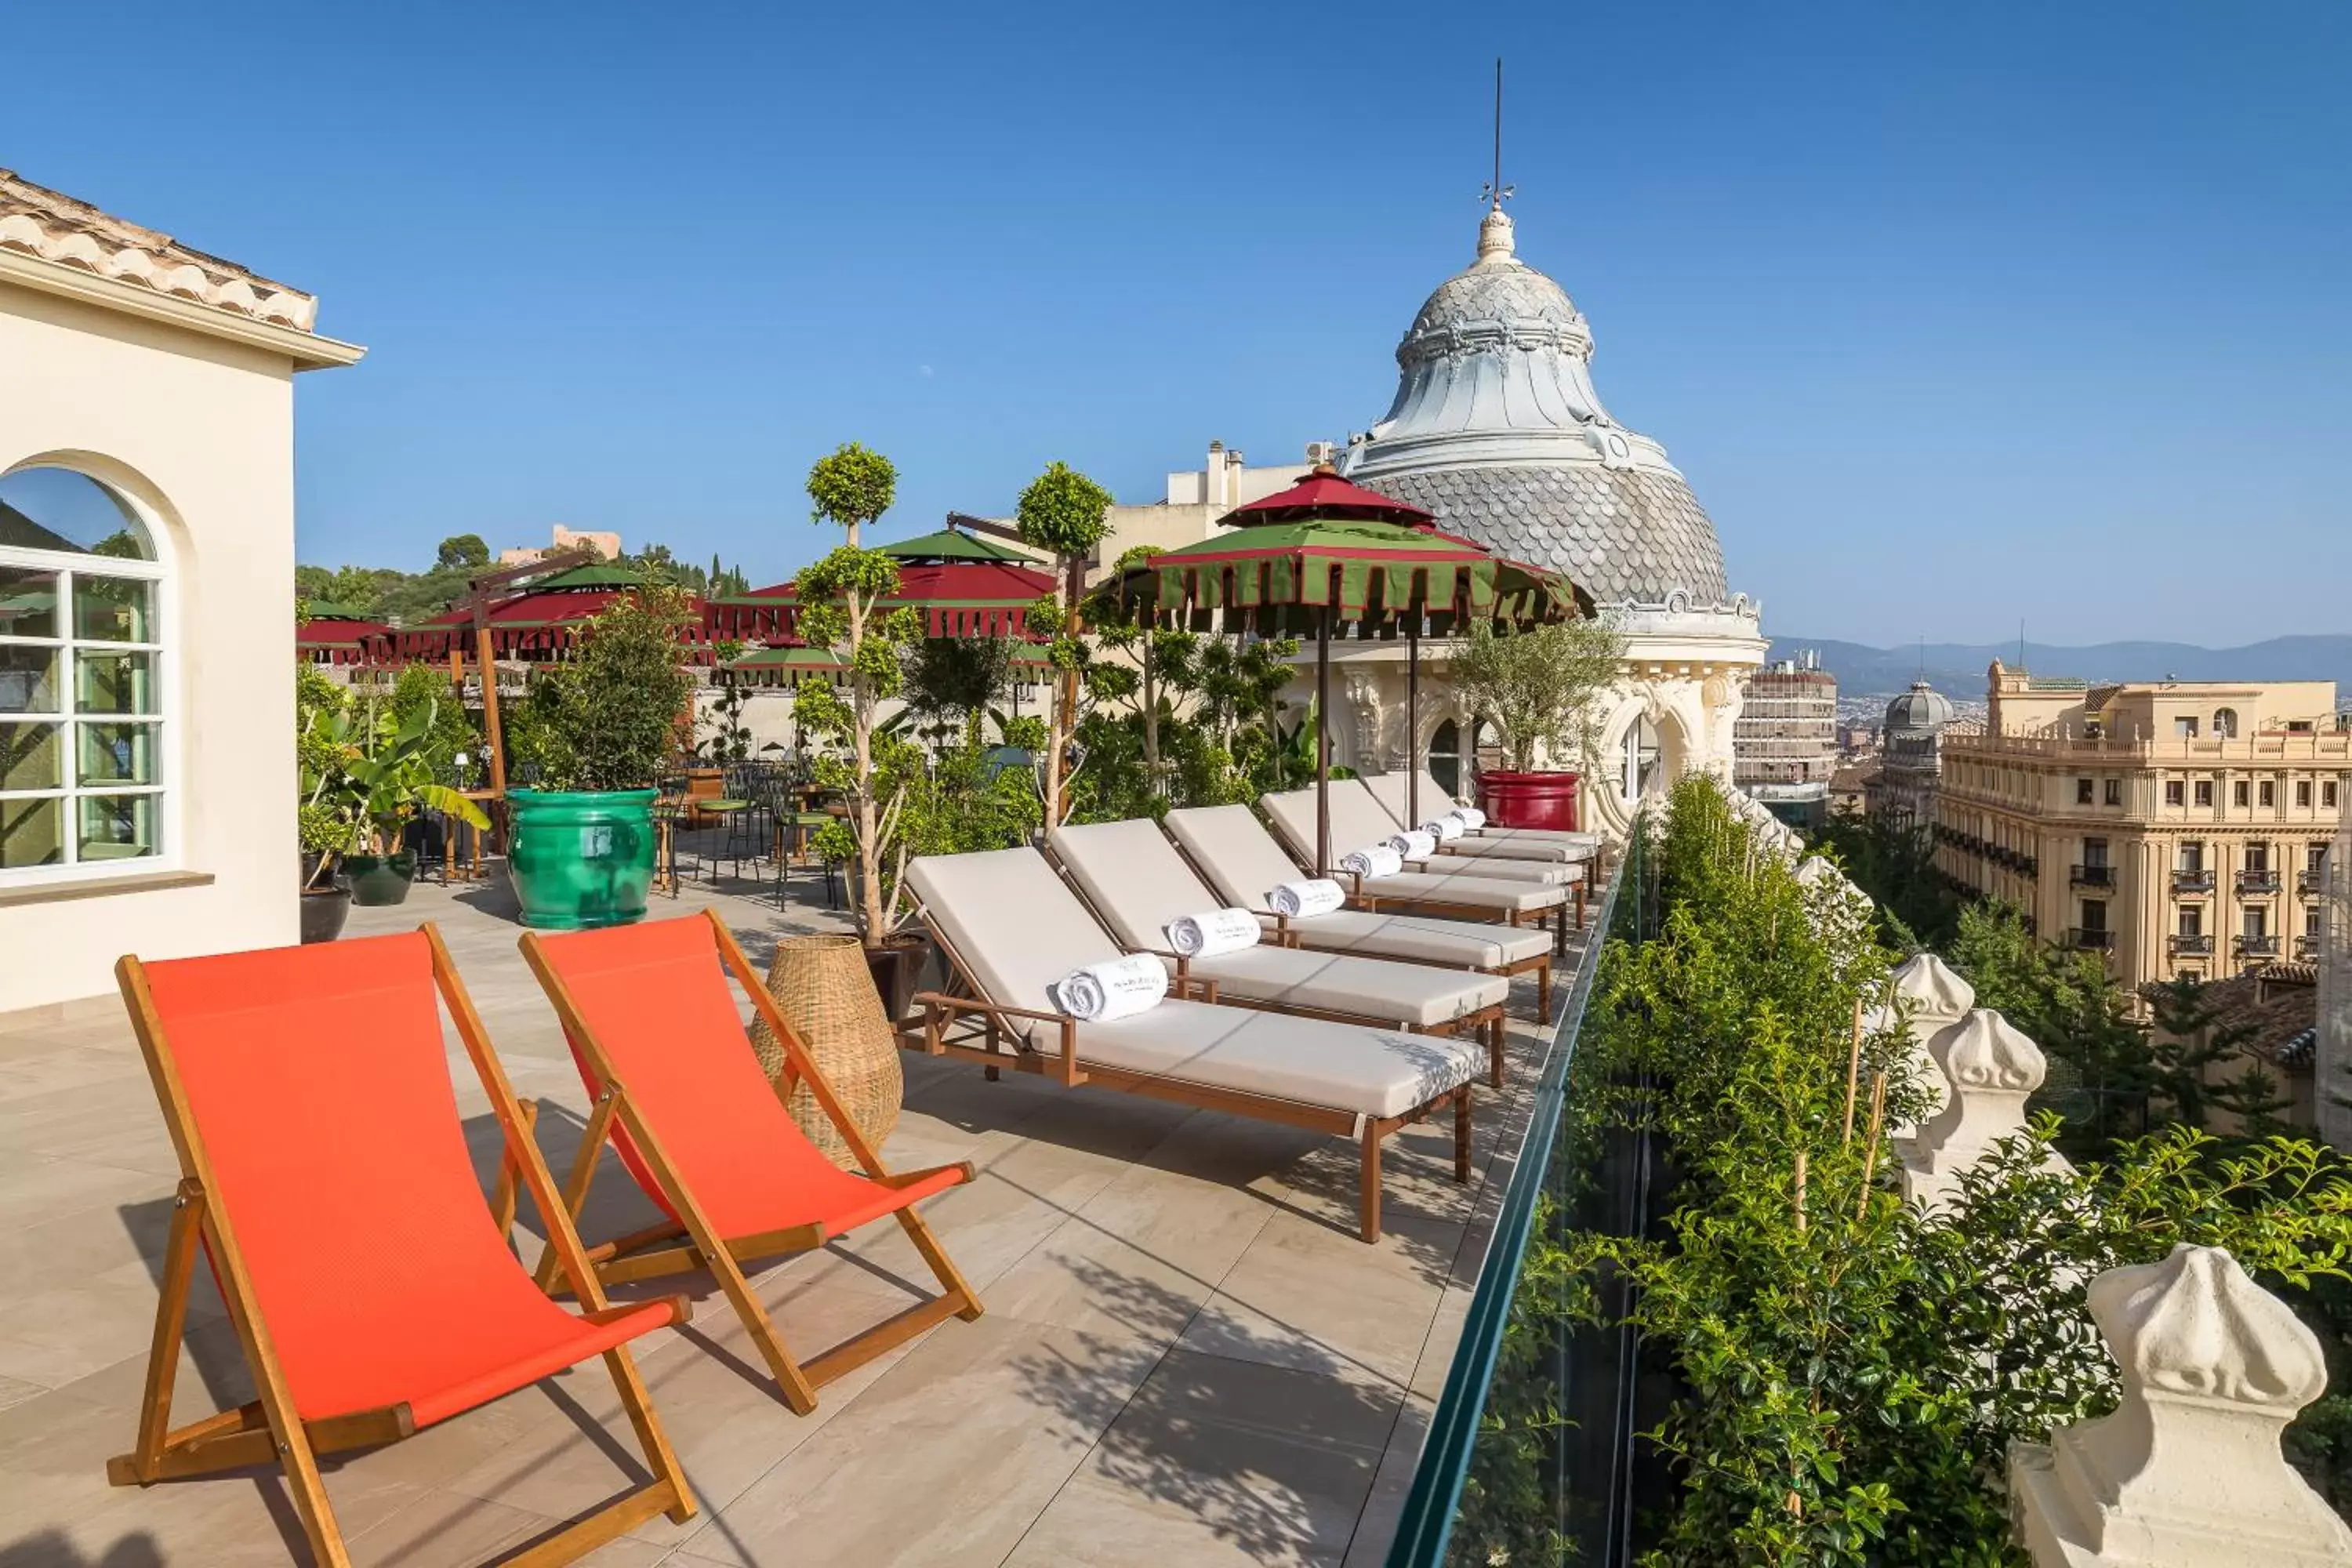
x=199, y=434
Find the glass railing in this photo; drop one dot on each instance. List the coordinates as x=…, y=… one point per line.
x=1529, y=1448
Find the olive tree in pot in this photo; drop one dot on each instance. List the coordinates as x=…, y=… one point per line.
x=1540, y=689
x=608, y=723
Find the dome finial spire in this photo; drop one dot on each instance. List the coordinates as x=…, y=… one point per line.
x=1495, y=229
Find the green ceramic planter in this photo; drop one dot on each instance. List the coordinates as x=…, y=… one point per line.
x=379, y=881
x=581, y=859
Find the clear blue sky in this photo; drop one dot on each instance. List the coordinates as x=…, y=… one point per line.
x=1953, y=315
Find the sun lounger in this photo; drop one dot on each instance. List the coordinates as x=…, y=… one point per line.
x=1009, y=927
x=1477, y=846
x=1536, y=890
x=680, y=1094
x=324, y=1176
x=1137, y=882
x=1357, y=820
x=1232, y=848
x=1389, y=789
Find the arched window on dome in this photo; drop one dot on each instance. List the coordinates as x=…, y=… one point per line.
x=2225, y=723
x=1638, y=761
x=82, y=709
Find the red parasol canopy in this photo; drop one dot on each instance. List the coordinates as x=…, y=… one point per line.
x=1324, y=494
x=538, y=624
x=958, y=598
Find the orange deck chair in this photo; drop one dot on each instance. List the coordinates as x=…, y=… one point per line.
x=325, y=1173
x=678, y=1092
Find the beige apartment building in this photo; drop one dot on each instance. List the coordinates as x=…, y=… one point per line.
x=2181, y=828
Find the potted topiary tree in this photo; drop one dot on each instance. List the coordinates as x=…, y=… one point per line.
x=608, y=723
x=1539, y=688
x=1065, y=514
x=839, y=598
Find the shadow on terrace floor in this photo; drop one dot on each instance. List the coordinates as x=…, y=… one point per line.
x=52, y=1549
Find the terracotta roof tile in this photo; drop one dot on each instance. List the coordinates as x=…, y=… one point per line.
x=37, y=221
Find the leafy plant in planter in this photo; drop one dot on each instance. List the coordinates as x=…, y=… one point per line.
x=606, y=726
x=366, y=772
x=1539, y=686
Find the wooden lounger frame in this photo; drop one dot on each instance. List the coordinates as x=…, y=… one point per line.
x=689, y=1243
x=1554, y=919
x=988, y=1021
x=269, y=1430
x=1489, y=1021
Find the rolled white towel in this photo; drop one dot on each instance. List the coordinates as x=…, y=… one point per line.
x=1219, y=931
x=1379, y=860
x=1305, y=900
x=1413, y=845
x=1445, y=829
x=1114, y=988
x=1471, y=817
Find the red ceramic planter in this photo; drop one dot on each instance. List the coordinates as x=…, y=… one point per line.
x=1512, y=799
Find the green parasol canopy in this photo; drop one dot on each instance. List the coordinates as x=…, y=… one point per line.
x=1327, y=558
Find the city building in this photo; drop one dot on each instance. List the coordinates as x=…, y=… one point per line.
x=146, y=520
x=1910, y=763
x=604, y=543
x=1495, y=428
x=1197, y=497
x=1785, y=741
x=2181, y=827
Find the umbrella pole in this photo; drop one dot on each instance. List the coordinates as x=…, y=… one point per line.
x=1413, y=724
x=1323, y=740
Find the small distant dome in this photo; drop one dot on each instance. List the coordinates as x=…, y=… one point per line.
x=1921, y=708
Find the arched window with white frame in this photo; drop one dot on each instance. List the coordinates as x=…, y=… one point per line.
x=83, y=761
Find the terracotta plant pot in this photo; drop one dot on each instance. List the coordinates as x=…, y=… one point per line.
x=1532, y=799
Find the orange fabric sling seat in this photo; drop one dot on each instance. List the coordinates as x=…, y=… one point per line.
x=656, y=997
x=325, y=1179
x=318, y=1079
x=680, y=1094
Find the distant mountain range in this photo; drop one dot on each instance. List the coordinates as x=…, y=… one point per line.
x=1958, y=669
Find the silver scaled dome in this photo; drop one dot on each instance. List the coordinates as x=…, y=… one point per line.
x=1497, y=430
x=1921, y=708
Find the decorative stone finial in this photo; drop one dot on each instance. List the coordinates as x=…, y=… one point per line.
x=1991, y=1068
x=1988, y=1052
x=2195, y=1325
x=1938, y=993
x=2187, y=1472
x=1495, y=241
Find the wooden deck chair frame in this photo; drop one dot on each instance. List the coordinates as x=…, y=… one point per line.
x=689, y=1243
x=267, y=1430
x=1289, y=932
x=1493, y=1027
x=967, y=1009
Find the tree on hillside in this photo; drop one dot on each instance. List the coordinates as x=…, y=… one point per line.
x=463, y=550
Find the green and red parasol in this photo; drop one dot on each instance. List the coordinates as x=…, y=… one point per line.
x=1326, y=558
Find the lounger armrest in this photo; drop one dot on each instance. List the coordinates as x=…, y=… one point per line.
x=1284, y=933
x=1185, y=987
x=939, y=1001
x=913, y=1178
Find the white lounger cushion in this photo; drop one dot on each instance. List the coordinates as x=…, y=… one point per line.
x=1357, y=817
x=1293, y=814
x=1133, y=876
x=1238, y=855
x=1354, y=1068
x=1008, y=916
